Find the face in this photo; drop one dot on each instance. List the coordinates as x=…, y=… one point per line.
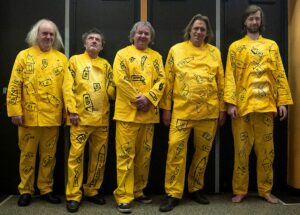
x=198, y=33
x=45, y=37
x=93, y=43
x=142, y=37
x=253, y=22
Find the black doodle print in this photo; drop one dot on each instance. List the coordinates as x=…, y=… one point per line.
x=138, y=78
x=87, y=102
x=81, y=138
x=185, y=61
x=131, y=59
x=29, y=64
x=153, y=95
x=86, y=73
x=96, y=87
x=53, y=100
x=181, y=124
x=174, y=174
x=99, y=165
x=76, y=177
x=30, y=90
x=179, y=150
x=123, y=66
x=143, y=61
x=44, y=64
x=156, y=65
x=46, y=83
x=30, y=106
x=79, y=159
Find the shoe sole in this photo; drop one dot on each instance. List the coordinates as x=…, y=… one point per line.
x=124, y=210
x=145, y=201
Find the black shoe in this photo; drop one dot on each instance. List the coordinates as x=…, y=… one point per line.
x=24, y=199
x=199, y=198
x=144, y=199
x=124, y=208
x=98, y=199
x=50, y=197
x=168, y=204
x=72, y=206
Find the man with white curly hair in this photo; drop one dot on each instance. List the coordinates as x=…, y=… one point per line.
x=34, y=103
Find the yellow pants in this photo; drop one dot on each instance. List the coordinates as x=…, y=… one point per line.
x=30, y=138
x=204, y=133
x=133, y=152
x=253, y=129
x=97, y=136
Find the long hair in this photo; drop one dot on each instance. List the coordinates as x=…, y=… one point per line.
x=31, y=38
x=188, y=28
x=250, y=10
x=142, y=23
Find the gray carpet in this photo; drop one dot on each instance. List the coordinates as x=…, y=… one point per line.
x=220, y=204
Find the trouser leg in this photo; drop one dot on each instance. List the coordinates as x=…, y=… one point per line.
x=142, y=158
x=176, y=158
x=126, y=135
x=97, y=158
x=78, y=136
x=28, y=143
x=243, y=142
x=47, y=151
x=204, y=134
x=264, y=150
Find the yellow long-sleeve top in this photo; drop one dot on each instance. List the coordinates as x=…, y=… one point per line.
x=88, y=84
x=255, y=80
x=34, y=89
x=138, y=73
x=195, y=82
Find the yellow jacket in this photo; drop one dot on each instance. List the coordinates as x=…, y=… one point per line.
x=255, y=80
x=138, y=73
x=195, y=82
x=87, y=85
x=34, y=90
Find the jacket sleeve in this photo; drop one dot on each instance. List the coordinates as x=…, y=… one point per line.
x=121, y=78
x=170, y=77
x=156, y=92
x=111, y=87
x=220, y=83
x=230, y=84
x=15, y=86
x=69, y=87
x=284, y=96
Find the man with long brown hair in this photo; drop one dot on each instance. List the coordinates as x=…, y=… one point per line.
x=255, y=87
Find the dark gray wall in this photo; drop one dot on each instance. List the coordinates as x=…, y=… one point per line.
x=16, y=19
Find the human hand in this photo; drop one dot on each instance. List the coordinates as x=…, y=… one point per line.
x=74, y=119
x=282, y=111
x=222, y=118
x=143, y=103
x=166, y=117
x=232, y=111
x=17, y=120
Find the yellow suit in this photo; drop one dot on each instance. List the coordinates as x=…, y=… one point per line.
x=135, y=73
x=195, y=83
x=34, y=92
x=87, y=85
x=256, y=84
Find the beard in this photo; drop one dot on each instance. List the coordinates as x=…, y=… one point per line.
x=253, y=30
